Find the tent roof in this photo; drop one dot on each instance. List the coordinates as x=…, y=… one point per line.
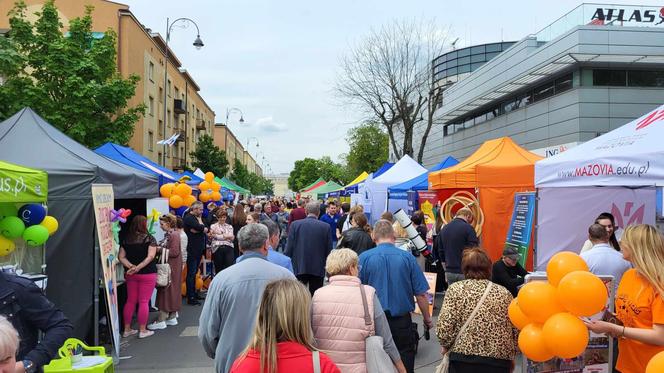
x=360, y=178
x=194, y=178
x=33, y=184
x=384, y=168
x=228, y=184
x=421, y=182
x=630, y=155
x=498, y=162
x=330, y=186
x=403, y=170
x=131, y=158
x=313, y=185
x=28, y=139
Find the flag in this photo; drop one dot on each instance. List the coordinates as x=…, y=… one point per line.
x=169, y=141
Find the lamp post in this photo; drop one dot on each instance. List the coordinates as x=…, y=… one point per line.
x=228, y=113
x=198, y=43
x=247, y=148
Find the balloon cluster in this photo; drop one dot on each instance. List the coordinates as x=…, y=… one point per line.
x=547, y=313
x=29, y=222
x=178, y=194
x=210, y=189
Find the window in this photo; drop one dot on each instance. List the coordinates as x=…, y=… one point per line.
x=638, y=78
x=177, y=92
x=477, y=50
x=564, y=83
x=169, y=121
x=151, y=72
x=168, y=88
x=463, y=60
x=161, y=95
x=151, y=105
x=543, y=91
x=150, y=141
x=493, y=48
x=464, y=69
x=463, y=52
x=159, y=157
x=610, y=78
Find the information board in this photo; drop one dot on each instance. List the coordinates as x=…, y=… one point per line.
x=521, y=225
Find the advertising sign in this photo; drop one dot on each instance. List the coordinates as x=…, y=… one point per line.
x=521, y=225
x=20, y=184
x=102, y=199
x=431, y=293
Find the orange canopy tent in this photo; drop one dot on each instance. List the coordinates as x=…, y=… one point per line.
x=498, y=169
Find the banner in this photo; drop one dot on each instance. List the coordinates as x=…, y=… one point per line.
x=21, y=184
x=102, y=199
x=431, y=293
x=564, y=215
x=521, y=225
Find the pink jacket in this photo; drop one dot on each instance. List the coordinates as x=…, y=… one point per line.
x=338, y=322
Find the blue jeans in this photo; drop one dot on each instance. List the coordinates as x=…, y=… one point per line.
x=193, y=260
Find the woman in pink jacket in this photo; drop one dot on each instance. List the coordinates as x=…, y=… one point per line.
x=338, y=316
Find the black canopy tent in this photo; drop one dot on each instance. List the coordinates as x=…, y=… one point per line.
x=27, y=139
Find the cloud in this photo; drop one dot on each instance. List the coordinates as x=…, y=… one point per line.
x=268, y=124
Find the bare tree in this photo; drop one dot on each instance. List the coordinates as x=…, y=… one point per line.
x=388, y=76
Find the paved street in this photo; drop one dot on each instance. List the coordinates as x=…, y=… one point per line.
x=177, y=350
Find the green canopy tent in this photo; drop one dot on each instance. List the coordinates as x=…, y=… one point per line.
x=21, y=184
x=318, y=183
x=226, y=183
x=322, y=190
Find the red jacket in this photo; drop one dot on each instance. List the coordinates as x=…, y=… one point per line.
x=296, y=214
x=291, y=357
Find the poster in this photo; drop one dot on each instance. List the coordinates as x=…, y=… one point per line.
x=598, y=356
x=431, y=293
x=427, y=201
x=102, y=199
x=521, y=225
x=160, y=205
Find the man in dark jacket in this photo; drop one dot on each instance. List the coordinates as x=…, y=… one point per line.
x=30, y=312
x=196, y=231
x=455, y=237
x=508, y=272
x=308, y=245
x=298, y=213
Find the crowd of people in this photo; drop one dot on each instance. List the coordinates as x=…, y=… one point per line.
x=308, y=287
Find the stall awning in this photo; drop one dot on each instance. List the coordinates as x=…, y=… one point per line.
x=315, y=184
x=421, y=182
x=22, y=184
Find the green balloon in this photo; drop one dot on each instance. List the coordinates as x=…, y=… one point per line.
x=35, y=235
x=7, y=209
x=12, y=227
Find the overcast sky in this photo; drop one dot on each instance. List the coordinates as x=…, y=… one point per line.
x=277, y=60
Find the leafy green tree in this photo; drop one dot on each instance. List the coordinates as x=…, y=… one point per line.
x=255, y=183
x=71, y=79
x=208, y=157
x=369, y=148
x=240, y=174
x=308, y=170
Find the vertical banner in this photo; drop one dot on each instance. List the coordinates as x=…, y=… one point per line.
x=521, y=225
x=427, y=201
x=431, y=293
x=156, y=207
x=102, y=199
x=413, y=202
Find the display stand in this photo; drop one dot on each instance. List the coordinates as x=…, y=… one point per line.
x=598, y=356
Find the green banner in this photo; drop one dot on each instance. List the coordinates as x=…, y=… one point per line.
x=22, y=184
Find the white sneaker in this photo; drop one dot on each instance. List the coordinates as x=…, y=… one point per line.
x=171, y=322
x=157, y=325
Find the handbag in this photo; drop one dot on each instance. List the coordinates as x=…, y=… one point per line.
x=445, y=363
x=163, y=270
x=315, y=357
x=378, y=361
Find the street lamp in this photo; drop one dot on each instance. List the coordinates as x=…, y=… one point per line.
x=198, y=43
x=228, y=113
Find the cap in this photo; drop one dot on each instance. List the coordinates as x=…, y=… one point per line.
x=511, y=252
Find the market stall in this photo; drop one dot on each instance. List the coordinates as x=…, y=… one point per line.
x=618, y=172
x=319, y=182
x=344, y=192
x=374, y=191
x=27, y=139
x=497, y=170
x=323, y=190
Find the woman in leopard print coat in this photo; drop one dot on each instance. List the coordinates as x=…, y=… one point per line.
x=489, y=343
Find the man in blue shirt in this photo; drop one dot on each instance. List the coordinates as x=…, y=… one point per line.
x=397, y=278
x=332, y=219
x=272, y=255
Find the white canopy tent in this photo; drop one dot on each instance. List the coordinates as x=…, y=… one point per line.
x=616, y=172
x=374, y=191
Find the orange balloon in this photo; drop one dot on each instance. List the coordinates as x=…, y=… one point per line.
x=582, y=293
x=199, y=282
x=563, y=263
x=183, y=289
x=216, y=196
x=518, y=318
x=166, y=190
x=182, y=190
x=215, y=186
x=175, y=201
x=204, y=197
x=538, y=301
x=189, y=200
x=656, y=364
x=204, y=186
x=531, y=343
x=565, y=335
x=209, y=177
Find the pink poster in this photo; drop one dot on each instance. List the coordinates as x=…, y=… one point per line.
x=564, y=215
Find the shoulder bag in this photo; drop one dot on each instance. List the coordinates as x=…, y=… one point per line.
x=315, y=356
x=445, y=363
x=378, y=361
x=163, y=270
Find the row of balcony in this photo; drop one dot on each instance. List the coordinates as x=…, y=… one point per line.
x=180, y=108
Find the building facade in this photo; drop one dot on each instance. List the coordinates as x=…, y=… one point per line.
x=142, y=52
x=595, y=69
x=280, y=182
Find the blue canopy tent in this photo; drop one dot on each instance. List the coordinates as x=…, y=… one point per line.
x=129, y=157
x=398, y=194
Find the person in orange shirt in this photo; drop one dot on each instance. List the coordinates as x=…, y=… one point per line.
x=639, y=300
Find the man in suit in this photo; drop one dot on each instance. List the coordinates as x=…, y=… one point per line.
x=309, y=243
